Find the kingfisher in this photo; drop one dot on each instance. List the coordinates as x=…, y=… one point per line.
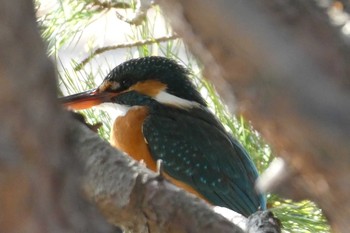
x=167, y=119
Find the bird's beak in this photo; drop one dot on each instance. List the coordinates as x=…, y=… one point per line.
x=85, y=99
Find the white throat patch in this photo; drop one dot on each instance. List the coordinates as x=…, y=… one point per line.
x=113, y=109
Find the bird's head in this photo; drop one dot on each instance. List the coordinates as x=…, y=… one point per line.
x=139, y=82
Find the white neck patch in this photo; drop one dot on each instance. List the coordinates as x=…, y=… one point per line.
x=113, y=109
x=117, y=110
x=169, y=99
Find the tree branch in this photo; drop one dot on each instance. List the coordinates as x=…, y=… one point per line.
x=140, y=14
x=131, y=196
x=108, y=5
x=126, y=45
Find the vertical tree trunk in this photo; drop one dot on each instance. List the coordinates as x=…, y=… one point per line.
x=288, y=69
x=39, y=177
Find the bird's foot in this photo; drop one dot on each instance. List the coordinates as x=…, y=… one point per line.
x=160, y=170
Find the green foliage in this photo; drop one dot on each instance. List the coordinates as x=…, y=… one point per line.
x=302, y=216
x=68, y=19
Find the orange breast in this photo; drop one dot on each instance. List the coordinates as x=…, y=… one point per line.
x=127, y=136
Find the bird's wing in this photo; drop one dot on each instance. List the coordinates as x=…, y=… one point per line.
x=201, y=154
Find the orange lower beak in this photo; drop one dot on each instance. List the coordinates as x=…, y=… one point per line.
x=83, y=100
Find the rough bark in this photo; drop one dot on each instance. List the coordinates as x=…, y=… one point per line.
x=288, y=69
x=131, y=196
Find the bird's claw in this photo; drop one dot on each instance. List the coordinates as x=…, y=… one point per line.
x=160, y=170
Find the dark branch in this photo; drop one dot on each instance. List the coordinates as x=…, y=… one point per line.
x=109, y=5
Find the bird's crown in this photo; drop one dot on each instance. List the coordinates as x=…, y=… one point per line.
x=159, y=75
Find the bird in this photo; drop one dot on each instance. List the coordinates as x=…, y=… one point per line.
x=166, y=119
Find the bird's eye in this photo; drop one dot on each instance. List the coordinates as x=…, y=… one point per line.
x=125, y=83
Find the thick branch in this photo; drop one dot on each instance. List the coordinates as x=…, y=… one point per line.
x=132, y=197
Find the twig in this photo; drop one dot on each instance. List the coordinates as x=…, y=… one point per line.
x=140, y=14
x=109, y=5
x=126, y=45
